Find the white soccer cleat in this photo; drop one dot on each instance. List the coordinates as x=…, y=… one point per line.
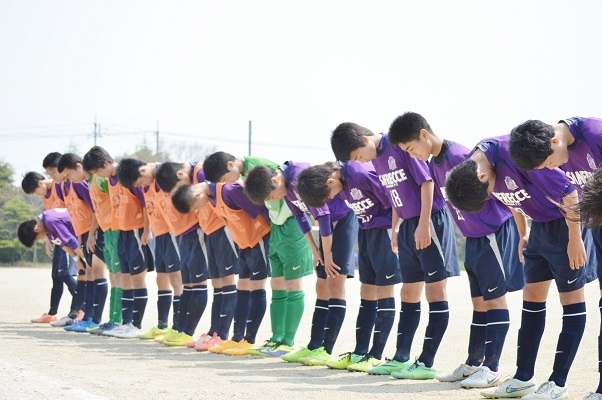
x=482, y=378
x=460, y=373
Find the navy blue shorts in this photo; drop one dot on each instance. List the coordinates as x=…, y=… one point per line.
x=378, y=265
x=492, y=263
x=134, y=258
x=167, y=254
x=597, y=242
x=435, y=263
x=222, y=254
x=193, y=256
x=344, y=236
x=99, y=245
x=546, y=257
x=253, y=261
x=62, y=264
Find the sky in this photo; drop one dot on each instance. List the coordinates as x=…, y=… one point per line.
x=201, y=70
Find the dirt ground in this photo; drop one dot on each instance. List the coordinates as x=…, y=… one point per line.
x=42, y=362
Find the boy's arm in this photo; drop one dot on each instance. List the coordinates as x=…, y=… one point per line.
x=147, y=234
x=78, y=255
x=575, y=247
x=395, y=222
x=422, y=235
x=523, y=232
x=92, y=234
x=332, y=270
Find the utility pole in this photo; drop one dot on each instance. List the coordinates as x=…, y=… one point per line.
x=250, y=131
x=96, y=129
x=157, y=139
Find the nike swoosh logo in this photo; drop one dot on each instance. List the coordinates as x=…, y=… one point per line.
x=327, y=328
x=223, y=315
x=559, y=352
x=487, y=342
x=169, y=266
x=227, y=268
x=428, y=338
x=389, y=276
x=359, y=327
x=135, y=268
x=571, y=282
x=296, y=268
x=198, y=276
x=518, y=389
x=123, y=309
x=492, y=289
x=556, y=395
x=432, y=273
x=466, y=375
x=117, y=263
x=255, y=273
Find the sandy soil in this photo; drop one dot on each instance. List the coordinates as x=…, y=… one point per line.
x=42, y=362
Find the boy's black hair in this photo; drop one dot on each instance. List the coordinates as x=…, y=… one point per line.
x=96, y=158
x=216, y=165
x=51, y=160
x=346, y=138
x=166, y=175
x=311, y=184
x=128, y=171
x=530, y=144
x=590, y=206
x=26, y=233
x=31, y=181
x=68, y=161
x=258, y=184
x=407, y=127
x=464, y=189
x=183, y=199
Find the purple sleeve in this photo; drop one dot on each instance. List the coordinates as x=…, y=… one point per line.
x=418, y=169
x=371, y=183
x=325, y=226
x=553, y=182
x=303, y=223
x=81, y=189
x=200, y=175
x=139, y=193
x=59, y=191
x=235, y=198
x=65, y=235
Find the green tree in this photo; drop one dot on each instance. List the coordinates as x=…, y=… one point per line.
x=14, y=212
x=6, y=174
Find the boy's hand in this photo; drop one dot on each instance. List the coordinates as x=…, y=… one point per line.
x=394, y=243
x=576, y=253
x=49, y=248
x=422, y=237
x=146, y=237
x=90, y=243
x=522, y=243
x=332, y=270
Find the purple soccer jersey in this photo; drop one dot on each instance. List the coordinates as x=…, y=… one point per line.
x=402, y=176
x=235, y=198
x=334, y=209
x=533, y=193
x=478, y=224
x=58, y=227
x=585, y=153
x=363, y=194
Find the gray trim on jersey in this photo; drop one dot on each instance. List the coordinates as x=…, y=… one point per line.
x=139, y=241
x=496, y=252
x=262, y=248
x=230, y=240
x=201, y=236
x=435, y=240
x=174, y=241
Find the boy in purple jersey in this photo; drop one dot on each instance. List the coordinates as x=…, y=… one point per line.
x=63, y=267
x=427, y=245
x=248, y=225
x=575, y=146
x=56, y=226
x=338, y=232
x=359, y=187
x=492, y=263
x=211, y=255
x=555, y=250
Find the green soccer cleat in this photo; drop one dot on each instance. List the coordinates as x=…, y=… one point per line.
x=295, y=356
x=388, y=367
x=364, y=364
x=344, y=360
x=416, y=371
x=317, y=357
x=257, y=350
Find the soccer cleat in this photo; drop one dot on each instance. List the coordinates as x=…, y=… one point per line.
x=296, y=355
x=549, y=390
x=178, y=340
x=61, y=323
x=256, y=351
x=81, y=326
x=44, y=319
x=228, y=344
x=364, y=364
x=214, y=341
x=128, y=331
x=344, y=360
x=152, y=333
x=115, y=330
x=202, y=339
x=241, y=349
x=482, y=378
x=317, y=357
x=593, y=396
x=458, y=374
x=102, y=328
x=278, y=350
x=417, y=371
x=388, y=367
x=165, y=335
x=510, y=388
